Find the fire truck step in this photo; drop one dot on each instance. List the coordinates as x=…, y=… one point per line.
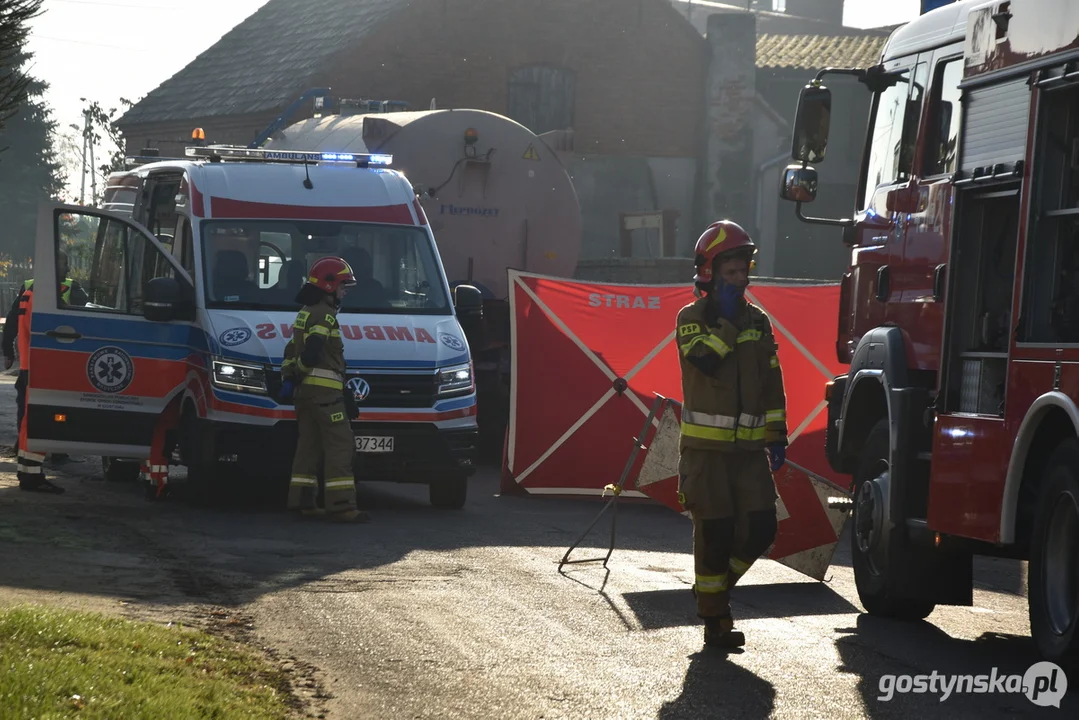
x=926, y=456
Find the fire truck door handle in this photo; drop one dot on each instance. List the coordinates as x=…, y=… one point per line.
x=884, y=283
x=938, y=282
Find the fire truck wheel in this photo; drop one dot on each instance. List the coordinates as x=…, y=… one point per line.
x=872, y=549
x=449, y=493
x=1054, y=559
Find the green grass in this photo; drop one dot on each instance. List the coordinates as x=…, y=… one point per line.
x=61, y=664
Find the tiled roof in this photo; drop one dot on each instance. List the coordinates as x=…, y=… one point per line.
x=264, y=62
x=815, y=52
x=776, y=23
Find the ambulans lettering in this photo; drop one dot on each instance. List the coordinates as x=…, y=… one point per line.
x=398, y=333
x=267, y=331
x=635, y=302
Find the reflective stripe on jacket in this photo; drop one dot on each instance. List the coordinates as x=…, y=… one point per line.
x=742, y=405
x=329, y=371
x=26, y=306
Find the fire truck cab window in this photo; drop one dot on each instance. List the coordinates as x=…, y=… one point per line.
x=894, y=132
x=1051, y=298
x=942, y=150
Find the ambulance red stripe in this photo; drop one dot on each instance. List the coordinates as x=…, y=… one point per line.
x=229, y=208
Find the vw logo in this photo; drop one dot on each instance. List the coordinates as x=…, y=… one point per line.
x=359, y=387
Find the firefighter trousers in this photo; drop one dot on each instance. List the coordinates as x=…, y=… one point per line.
x=732, y=499
x=30, y=465
x=324, y=436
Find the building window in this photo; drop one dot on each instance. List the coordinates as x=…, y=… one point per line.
x=542, y=97
x=779, y=6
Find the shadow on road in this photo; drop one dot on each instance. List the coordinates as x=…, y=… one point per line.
x=656, y=609
x=717, y=688
x=105, y=539
x=919, y=648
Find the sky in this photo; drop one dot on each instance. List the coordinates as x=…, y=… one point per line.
x=98, y=50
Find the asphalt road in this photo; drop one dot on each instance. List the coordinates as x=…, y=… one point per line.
x=434, y=614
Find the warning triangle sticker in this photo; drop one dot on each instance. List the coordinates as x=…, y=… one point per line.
x=530, y=153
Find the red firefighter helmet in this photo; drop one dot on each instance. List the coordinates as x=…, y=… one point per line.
x=329, y=273
x=720, y=238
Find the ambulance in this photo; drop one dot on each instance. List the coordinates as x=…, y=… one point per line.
x=196, y=263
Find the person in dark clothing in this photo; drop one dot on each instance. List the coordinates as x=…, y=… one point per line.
x=17, y=328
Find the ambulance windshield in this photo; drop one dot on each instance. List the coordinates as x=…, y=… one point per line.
x=261, y=265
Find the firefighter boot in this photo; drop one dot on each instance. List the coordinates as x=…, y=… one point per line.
x=719, y=632
x=309, y=503
x=350, y=516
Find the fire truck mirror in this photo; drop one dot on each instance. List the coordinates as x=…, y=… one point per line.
x=799, y=184
x=811, y=124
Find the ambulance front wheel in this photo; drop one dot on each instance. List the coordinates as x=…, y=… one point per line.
x=873, y=548
x=449, y=493
x=197, y=447
x=120, y=470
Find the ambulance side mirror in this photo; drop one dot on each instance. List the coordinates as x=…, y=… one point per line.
x=163, y=300
x=468, y=301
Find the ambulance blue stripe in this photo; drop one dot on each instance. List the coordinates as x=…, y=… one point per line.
x=456, y=403
x=261, y=401
x=121, y=328
x=276, y=360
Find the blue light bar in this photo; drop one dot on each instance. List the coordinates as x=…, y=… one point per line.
x=288, y=156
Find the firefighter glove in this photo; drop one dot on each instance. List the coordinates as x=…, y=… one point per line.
x=777, y=456
x=285, y=396
x=351, y=408
x=728, y=297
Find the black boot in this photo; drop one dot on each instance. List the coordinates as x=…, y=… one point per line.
x=40, y=485
x=719, y=632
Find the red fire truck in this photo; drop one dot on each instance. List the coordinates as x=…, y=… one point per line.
x=959, y=314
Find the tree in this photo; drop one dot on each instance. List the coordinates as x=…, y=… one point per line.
x=29, y=171
x=15, y=17
x=81, y=146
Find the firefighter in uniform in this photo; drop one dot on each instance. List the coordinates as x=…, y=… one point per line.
x=313, y=374
x=31, y=473
x=734, y=425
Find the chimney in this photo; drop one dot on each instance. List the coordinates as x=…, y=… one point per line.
x=729, y=105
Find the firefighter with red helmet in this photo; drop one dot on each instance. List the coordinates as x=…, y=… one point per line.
x=313, y=374
x=734, y=425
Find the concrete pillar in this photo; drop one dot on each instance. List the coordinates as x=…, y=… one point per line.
x=729, y=174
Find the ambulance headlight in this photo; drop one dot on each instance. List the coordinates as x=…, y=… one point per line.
x=242, y=377
x=456, y=380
